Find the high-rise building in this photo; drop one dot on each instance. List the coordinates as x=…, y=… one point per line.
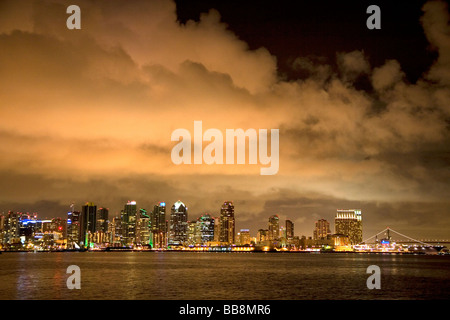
x=244, y=237
x=321, y=230
x=262, y=235
x=115, y=229
x=205, y=225
x=128, y=218
x=216, y=229
x=88, y=223
x=178, y=225
x=289, y=230
x=73, y=229
x=102, y=219
x=143, y=233
x=227, y=223
x=349, y=222
x=274, y=228
x=158, y=226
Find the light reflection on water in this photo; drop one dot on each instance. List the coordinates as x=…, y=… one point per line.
x=205, y=276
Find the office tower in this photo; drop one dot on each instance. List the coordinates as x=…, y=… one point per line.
x=73, y=229
x=289, y=230
x=216, y=229
x=178, y=225
x=88, y=223
x=115, y=229
x=274, y=228
x=227, y=223
x=262, y=235
x=321, y=230
x=128, y=218
x=244, y=237
x=12, y=228
x=349, y=222
x=205, y=225
x=102, y=220
x=143, y=228
x=193, y=233
x=158, y=226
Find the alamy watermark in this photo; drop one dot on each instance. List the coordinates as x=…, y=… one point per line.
x=213, y=152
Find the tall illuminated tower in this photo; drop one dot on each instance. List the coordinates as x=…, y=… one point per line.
x=322, y=229
x=274, y=228
x=178, y=225
x=88, y=223
x=158, y=226
x=227, y=223
x=349, y=222
x=289, y=230
x=128, y=218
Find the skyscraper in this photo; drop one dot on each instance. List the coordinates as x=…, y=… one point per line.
x=227, y=223
x=143, y=233
x=158, y=226
x=178, y=225
x=206, y=228
x=128, y=218
x=289, y=230
x=349, y=222
x=88, y=222
x=244, y=237
x=274, y=228
x=102, y=220
x=73, y=228
x=321, y=230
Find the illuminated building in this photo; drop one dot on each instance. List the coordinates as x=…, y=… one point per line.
x=205, y=226
x=88, y=223
x=102, y=220
x=115, y=230
x=274, y=228
x=73, y=229
x=216, y=229
x=289, y=230
x=143, y=234
x=227, y=223
x=349, y=222
x=158, y=226
x=11, y=228
x=322, y=229
x=244, y=237
x=178, y=225
x=262, y=235
x=128, y=218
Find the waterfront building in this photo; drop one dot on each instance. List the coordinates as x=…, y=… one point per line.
x=88, y=223
x=274, y=228
x=322, y=229
x=73, y=229
x=143, y=232
x=349, y=222
x=128, y=219
x=227, y=223
x=178, y=225
x=262, y=235
x=244, y=237
x=205, y=226
x=158, y=226
x=102, y=220
x=289, y=230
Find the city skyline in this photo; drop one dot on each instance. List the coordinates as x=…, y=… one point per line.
x=88, y=114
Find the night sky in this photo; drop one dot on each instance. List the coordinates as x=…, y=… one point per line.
x=364, y=115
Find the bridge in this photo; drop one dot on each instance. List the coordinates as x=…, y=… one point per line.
x=401, y=243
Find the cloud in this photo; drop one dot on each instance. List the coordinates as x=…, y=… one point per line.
x=90, y=111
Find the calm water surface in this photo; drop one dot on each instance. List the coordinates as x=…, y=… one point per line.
x=205, y=276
